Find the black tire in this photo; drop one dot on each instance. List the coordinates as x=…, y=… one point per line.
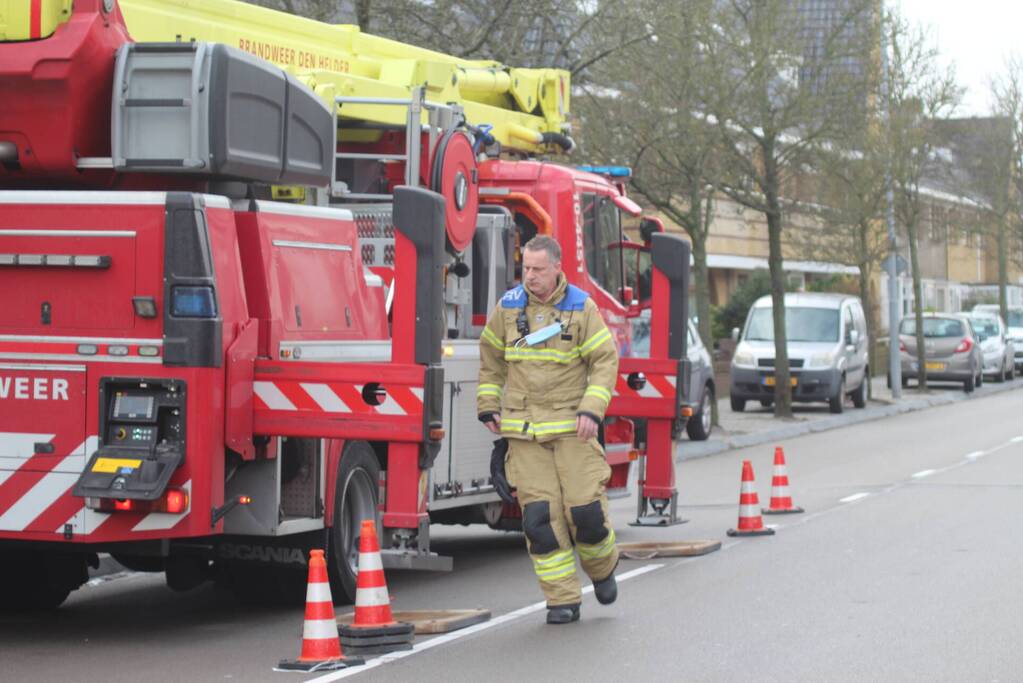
x=1012, y=371
x=968, y=385
x=356, y=494
x=738, y=404
x=39, y=581
x=767, y=402
x=836, y=403
x=699, y=426
x=980, y=378
x=859, y=397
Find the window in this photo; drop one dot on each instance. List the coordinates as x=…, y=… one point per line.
x=849, y=324
x=601, y=229
x=802, y=324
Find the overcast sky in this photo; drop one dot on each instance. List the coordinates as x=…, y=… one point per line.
x=976, y=35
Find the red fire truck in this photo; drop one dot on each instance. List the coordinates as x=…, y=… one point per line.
x=245, y=259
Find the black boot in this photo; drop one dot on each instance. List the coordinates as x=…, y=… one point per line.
x=606, y=590
x=562, y=614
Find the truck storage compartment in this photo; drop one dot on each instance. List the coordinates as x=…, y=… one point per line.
x=56, y=280
x=42, y=418
x=213, y=110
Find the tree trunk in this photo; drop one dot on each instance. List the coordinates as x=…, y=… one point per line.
x=362, y=14
x=918, y=309
x=782, y=388
x=1003, y=269
x=863, y=257
x=702, y=285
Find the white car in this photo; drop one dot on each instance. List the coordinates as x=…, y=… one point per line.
x=996, y=346
x=1014, y=326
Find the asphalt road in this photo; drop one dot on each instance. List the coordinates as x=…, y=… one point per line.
x=905, y=567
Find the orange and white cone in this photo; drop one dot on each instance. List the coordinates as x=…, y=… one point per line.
x=750, y=521
x=321, y=648
x=373, y=630
x=781, y=499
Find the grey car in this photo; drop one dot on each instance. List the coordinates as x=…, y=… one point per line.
x=701, y=393
x=996, y=347
x=952, y=351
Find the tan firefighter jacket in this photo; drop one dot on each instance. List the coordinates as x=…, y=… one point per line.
x=540, y=390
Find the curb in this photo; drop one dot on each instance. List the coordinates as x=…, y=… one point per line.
x=690, y=450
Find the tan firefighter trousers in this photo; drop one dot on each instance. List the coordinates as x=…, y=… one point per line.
x=561, y=487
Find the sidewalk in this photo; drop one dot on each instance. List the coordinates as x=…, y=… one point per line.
x=758, y=425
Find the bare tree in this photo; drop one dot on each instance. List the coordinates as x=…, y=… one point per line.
x=573, y=35
x=1007, y=172
x=644, y=114
x=851, y=192
x=783, y=90
x=920, y=93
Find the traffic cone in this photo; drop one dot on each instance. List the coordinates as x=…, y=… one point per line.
x=374, y=630
x=750, y=522
x=781, y=501
x=321, y=648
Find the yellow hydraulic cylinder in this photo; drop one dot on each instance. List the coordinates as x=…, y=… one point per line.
x=340, y=60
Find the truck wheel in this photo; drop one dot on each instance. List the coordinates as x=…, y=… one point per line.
x=738, y=404
x=837, y=402
x=699, y=425
x=38, y=580
x=355, y=499
x=859, y=397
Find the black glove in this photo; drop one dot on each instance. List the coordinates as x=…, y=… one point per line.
x=497, y=475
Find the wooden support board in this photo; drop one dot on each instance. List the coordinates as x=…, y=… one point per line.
x=648, y=551
x=430, y=622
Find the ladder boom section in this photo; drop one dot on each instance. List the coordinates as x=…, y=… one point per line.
x=341, y=61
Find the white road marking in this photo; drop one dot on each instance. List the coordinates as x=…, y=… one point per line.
x=854, y=497
x=923, y=473
x=975, y=454
x=1016, y=439
x=455, y=635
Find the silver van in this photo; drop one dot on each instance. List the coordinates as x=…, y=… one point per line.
x=827, y=349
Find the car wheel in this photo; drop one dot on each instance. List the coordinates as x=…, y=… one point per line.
x=355, y=499
x=767, y=402
x=738, y=404
x=698, y=427
x=968, y=385
x=980, y=378
x=1012, y=371
x=859, y=397
x=837, y=402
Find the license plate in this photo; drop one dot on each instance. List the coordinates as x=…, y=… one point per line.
x=769, y=381
x=934, y=366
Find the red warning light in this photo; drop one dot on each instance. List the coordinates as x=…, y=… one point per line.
x=176, y=501
x=123, y=505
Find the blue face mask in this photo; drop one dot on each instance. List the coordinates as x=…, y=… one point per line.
x=541, y=335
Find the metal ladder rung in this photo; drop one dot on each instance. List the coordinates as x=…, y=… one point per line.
x=362, y=195
x=360, y=155
x=157, y=102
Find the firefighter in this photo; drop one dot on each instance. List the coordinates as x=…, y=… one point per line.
x=548, y=366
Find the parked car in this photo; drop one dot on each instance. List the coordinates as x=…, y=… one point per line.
x=827, y=349
x=997, y=349
x=951, y=349
x=1014, y=327
x=701, y=394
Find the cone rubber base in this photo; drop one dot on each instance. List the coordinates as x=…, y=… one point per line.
x=377, y=640
x=782, y=511
x=395, y=629
x=751, y=532
x=327, y=665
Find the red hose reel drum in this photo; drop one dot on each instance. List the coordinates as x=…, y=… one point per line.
x=455, y=176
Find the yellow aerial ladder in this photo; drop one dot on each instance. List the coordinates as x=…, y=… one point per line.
x=341, y=61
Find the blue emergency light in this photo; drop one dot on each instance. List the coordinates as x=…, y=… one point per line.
x=610, y=171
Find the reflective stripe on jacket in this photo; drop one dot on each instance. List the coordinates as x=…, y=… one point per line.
x=539, y=390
